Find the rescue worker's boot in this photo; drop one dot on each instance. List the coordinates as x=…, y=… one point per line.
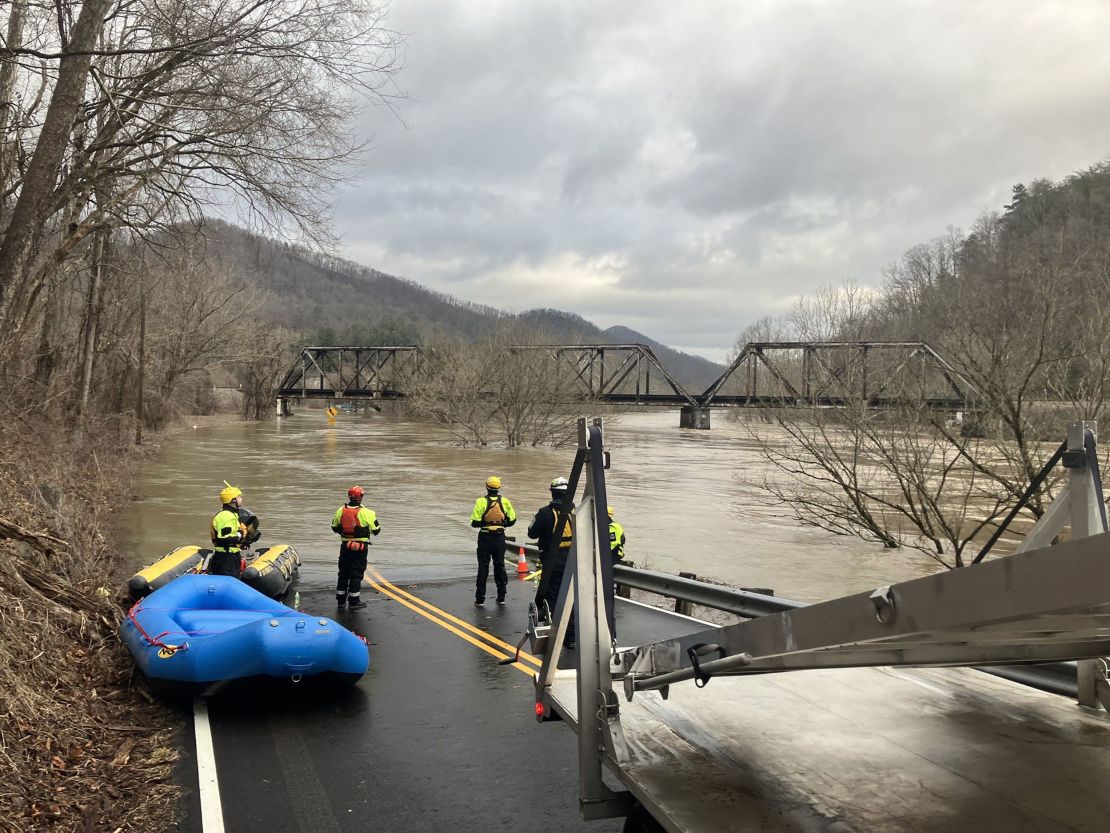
x=355, y=603
x=341, y=599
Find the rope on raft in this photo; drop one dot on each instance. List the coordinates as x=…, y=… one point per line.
x=157, y=640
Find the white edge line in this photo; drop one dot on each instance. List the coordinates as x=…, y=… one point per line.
x=671, y=613
x=211, y=809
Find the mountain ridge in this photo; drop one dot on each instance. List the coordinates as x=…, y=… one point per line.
x=333, y=300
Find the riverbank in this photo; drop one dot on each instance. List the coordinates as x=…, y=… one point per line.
x=83, y=746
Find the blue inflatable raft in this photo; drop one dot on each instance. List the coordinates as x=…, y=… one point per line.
x=199, y=630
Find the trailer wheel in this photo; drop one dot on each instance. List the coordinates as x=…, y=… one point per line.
x=641, y=821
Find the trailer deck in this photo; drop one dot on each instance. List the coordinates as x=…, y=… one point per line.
x=870, y=749
x=438, y=735
x=821, y=718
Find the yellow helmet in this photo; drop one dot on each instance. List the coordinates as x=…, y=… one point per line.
x=229, y=493
x=610, y=508
x=493, y=482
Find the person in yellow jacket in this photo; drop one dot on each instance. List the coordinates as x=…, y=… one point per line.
x=229, y=534
x=355, y=523
x=616, y=538
x=492, y=513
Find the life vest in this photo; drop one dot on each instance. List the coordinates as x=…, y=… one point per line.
x=226, y=532
x=568, y=531
x=350, y=524
x=616, y=540
x=494, y=517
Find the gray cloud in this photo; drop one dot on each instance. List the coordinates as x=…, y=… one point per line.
x=686, y=169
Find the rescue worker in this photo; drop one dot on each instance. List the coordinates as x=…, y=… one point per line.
x=355, y=523
x=616, y=538
x=229, y=534
x=553, y=554
x=492, y=513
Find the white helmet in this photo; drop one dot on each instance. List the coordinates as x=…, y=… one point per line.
x=559, y=484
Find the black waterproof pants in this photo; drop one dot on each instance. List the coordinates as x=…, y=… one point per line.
x=352, y=566
x=225, y=564
x=491, y=547
x=556, y=566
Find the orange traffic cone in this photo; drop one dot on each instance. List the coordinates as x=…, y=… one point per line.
x=522, y=568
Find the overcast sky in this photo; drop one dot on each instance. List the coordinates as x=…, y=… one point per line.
x=686, y=168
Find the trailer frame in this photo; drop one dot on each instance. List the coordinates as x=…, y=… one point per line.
x=1046, y=602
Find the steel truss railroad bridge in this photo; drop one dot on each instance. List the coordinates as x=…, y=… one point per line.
x=828, y=374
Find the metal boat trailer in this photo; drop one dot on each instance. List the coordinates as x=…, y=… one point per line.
x=888, y=729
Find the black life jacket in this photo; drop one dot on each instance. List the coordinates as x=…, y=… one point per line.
x=568, y=531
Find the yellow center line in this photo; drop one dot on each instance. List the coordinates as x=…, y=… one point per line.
x=477, y=631
x=492, y=651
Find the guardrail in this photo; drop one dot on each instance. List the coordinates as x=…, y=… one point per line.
x=745, y=603
x=1055, y=677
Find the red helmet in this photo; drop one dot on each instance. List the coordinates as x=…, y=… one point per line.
x=355, y=493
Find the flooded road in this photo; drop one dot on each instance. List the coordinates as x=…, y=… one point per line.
x=681, y=495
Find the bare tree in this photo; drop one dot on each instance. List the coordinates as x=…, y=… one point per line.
x=534, y=397
x=767, y=328
x=201, y=318
x=183, y=106
x=832, y=313
x=447, y=390
x=490, y=391
x=265, y=354
x=885, y=476
x=33, y=207
x=1013, y=312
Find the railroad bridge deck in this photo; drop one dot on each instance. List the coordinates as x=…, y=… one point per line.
x=764, y=374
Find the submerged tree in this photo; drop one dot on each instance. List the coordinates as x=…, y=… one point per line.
x=266, y=354
x=498, y=390
x=885, y=476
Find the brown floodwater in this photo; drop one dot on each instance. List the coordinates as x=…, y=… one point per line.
x=684, y=497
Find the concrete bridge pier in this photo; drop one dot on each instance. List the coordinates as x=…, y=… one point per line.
x=694, y=416
x=283, y=409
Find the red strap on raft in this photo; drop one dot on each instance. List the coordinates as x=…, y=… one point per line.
x=153, y=640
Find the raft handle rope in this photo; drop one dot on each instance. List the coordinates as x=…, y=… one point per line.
x=154, y=640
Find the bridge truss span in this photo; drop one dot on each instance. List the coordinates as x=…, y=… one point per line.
x=350, y=373
x=618, y=373
x=791, y=374
x=877, y=374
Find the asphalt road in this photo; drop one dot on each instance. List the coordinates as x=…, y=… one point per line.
x=436, y=737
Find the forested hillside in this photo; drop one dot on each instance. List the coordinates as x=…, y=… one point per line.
x=1018, y=307
x=334, y=301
